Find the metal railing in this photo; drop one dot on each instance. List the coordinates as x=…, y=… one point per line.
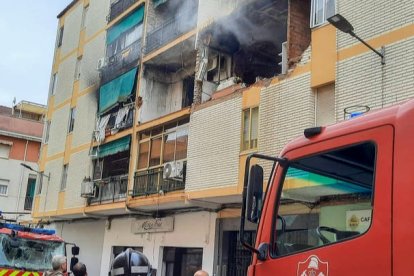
x=152, y=182
x=121, y=62
x=168, y=31
x=28, y=203
x=110, y=189
x=119, y=7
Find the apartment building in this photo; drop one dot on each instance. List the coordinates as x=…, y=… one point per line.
x=21, y=129
x=155, y=105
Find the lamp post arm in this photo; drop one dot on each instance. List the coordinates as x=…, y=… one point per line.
x=369, y=46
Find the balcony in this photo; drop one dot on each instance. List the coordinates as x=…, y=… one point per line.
x=28, y=203
x=119, y=7
x=121, y=62
x=170, y=30
x=152, y=182
x=111, y=189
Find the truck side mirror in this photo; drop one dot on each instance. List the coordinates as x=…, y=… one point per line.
x=75, y=250
x=254, y=198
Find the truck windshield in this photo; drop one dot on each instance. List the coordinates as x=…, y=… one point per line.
x=31, y=255
x=325, y=198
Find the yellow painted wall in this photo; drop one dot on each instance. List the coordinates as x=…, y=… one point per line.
x=323, y=55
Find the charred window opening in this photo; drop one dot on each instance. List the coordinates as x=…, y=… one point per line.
x=113, y=165
x=167, y=88
x=250, y=41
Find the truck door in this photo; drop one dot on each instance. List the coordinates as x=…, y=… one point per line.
x=331, y=210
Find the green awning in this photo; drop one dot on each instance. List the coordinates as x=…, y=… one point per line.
x=117, y=90
x=114, y=147
x=158, y=2
x=130, y=21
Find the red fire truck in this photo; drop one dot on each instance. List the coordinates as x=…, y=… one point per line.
x=338, y=200
x=26, y=251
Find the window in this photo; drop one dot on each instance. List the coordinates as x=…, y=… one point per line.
x=325, y=105
x=4, y=149
x=30, y=192
x=250, y=128
x=323, y=198
x=84, y=16
x=4, y=185
x=64, y=177
x=182, y=261
x=40, y=181
x=77, y=68
x=47, y=131
x=53, y=84
x=60, y=36
x=72, y=119
x=165, y=144
x=320, y=11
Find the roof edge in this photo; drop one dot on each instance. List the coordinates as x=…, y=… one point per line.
x=67, y=8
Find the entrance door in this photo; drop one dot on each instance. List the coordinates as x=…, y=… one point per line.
x=30, y=191
x=339, y=194
x=235, y=256
x=180, y=261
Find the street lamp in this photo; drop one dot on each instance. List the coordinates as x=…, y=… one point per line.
x=33, y=170
x=340, y=22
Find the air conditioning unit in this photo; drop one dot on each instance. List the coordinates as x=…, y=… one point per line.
x=102, y=62
x=173, y=170
x=87, y=188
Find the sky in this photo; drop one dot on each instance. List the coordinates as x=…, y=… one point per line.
x=28, y=32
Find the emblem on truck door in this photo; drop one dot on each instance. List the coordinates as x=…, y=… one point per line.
x=313, y=266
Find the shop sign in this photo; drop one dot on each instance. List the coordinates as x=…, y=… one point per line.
x=153, y=225
x=358, y=220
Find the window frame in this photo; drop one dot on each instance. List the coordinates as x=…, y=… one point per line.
x=312, y=22
x=39, y=183
x=47, y=132
x=60, y=36
x=8, y=147
x=64, y=178
x=72, y=115
x=272, y=252
x=165, y=129
x=84, y=16
x=250, y=146
x=6, y=184
x=77, y=73
x=53, y=84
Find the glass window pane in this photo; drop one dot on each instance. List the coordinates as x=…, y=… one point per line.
x=169, y=147
x=254, y=127
x=330, y=8
x=246, y=124
x=329, y=193
x=155, y=156
x=182, y=141
x=143, y=155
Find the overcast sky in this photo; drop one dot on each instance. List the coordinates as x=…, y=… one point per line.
x=28, y=31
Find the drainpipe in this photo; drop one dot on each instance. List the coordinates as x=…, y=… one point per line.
x=21, y=179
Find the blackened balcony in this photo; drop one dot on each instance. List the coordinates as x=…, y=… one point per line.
x=119, y=7
x=121, y=62
x=111, y=189
x=152, y=182
x=28, y=203
x=170, y=30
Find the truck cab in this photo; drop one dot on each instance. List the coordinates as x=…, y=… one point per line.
x=338, y=200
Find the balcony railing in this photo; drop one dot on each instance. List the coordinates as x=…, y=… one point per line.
x=28, y=203
x=119, y=7
x=121, y=62
x=152, y=182
x=170, y=30
x=111, y=189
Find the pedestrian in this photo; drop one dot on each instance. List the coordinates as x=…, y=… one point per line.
x=59, y=266
x=79, y=269
x=201, y=273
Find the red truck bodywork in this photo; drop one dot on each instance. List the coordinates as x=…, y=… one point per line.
x=386, y=247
